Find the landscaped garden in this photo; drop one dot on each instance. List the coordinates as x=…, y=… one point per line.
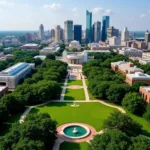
x=74, y=94
x=89, y=113
x=74, y=146
x=75, y=82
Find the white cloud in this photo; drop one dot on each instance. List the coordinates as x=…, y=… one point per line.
x=6, y=4
x=97, y=10
x=143, y=15
x=74, y=9
x=108, y=12
x=53, y=6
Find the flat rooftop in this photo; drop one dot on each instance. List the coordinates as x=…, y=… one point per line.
x=139, y=75
x=30, y=45
x=11, y=71
x=146, y=88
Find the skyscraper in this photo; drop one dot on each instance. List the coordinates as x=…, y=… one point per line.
x=111, y=31
x=78, y=33
x=88, y=26
x=147, y=38
x=57, y=33
x=68, y=30
x=52, y=33
x=61, y=34
x=41, y=32
x=125, y=35
x=105, y=22
x=97, y=31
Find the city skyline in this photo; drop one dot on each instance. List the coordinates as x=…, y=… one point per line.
x=27, y=15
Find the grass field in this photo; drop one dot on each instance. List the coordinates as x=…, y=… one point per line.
x=90, y=113
x=87, y=82
x=74, y=94
x=75, y=82
x=74, y=146
x=92, y=97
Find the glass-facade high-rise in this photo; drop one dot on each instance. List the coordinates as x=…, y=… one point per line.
x=78, y=33
x=97, y=31
x=105, y=22
x=68, y=30
x=88, y=26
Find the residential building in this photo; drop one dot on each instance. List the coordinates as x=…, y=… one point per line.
x=97, y=31
x=125, y=35
x=111, y=31
x=97, y=46
x=74, y=45
x=147, y=38
x=145, y=93
x=68, y=30
x=78, y=33
x=12, y=75
x=57, y=33
x=114, y=40
x=41, y=32
x=125, y=67
x=105, y=25
x=88, y=27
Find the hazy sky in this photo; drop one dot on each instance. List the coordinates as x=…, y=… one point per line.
x=29, y=14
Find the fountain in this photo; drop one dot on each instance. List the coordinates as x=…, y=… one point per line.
x=75, y=131
x=74, y=105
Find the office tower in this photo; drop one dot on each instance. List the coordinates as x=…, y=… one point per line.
x=125, y=35
x=52, y=33
x=78, y=33
x=41, y=32
x=68, y=31
x=105, y=22
x=111, y=31
x=88, y=27
x=97, y=31
x=147, y=38
x=57, y=33
x=61, y=34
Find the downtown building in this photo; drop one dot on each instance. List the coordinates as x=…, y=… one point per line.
x=57, y=33
x=111, y=31
x=105, y=25
x=78, y=33
x=88, y=27
x=97, y=31
x=147, y=38
x=41, y=32
x=68, y=31
x=125, y=35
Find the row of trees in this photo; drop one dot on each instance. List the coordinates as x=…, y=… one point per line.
x=41, y=87
x=122, y=133
x=36, y=133
x=104, y=83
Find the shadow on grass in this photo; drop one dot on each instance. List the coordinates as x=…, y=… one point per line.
x=70, y=146
x=69, y=98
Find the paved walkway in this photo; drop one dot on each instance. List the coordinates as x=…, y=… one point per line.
x=57, y=144
x=85, y=89
x=64, y=89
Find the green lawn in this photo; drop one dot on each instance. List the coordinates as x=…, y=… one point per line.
x=92, y=97
x=12, y=119
x=87, y=82
x=74, y=94
x=75, y=82
x=90, y=113
x=74, y=146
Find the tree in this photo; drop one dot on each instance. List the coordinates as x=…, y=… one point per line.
x=124, y=123
x=110, y=140
x=140, y=143
x=3, y=113
x=14, y=103
x=134, y=103
x=147, y=113
x=136, y=86
x=116, y=92
x=37, y=132
x=50, y=56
